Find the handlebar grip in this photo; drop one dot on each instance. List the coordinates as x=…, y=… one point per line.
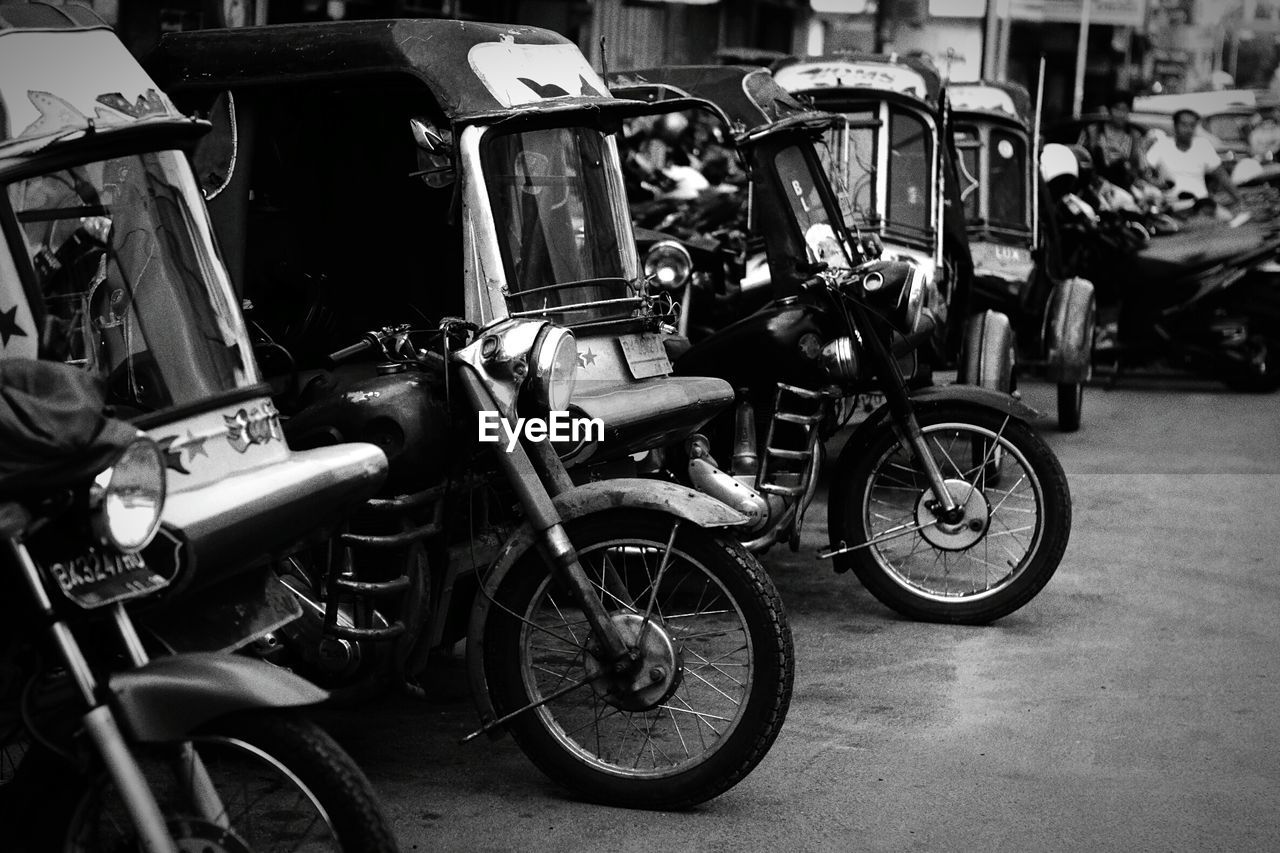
x=355, y=349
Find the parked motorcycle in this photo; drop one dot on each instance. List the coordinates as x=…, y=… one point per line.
x=114, y=749
x=1015, y=252
x=948, y=475
x=1204, y=299
x=591, y=612
x=114, y=285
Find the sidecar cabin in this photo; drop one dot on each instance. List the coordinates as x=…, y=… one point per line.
x=336, y=176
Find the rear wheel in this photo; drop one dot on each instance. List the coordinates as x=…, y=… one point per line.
x=713, y=677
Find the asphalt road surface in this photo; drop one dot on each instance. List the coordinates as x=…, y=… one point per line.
x=1133, y=705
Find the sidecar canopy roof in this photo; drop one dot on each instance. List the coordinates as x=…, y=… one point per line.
x=904, y=76
x=473, y=70
x=749, y=98
x=1008, y=101
x=64, y=73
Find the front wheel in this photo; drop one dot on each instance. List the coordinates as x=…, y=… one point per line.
x=709, y=689
x=281, y=782
x=973, y=569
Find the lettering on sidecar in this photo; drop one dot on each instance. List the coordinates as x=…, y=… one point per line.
x=258, y=425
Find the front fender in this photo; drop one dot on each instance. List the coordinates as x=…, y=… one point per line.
x=933, y=396
x=1068, y=334
x=170, y=697
x=579, y=502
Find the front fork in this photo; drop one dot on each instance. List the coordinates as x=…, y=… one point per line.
x=103, y=728
x=534, y=494
x=903, y=415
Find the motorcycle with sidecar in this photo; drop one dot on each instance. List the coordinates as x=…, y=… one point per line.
x=1017, y=268
x=465, y=192
x=840, y=322
x=143, y=479
x=894, y=166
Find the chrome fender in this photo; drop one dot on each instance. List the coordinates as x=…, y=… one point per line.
x=1068, y=334
x=579, y=502
x=170, y=697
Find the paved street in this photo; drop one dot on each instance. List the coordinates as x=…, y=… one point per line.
x=1131, y=706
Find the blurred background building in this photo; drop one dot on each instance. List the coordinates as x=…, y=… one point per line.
x=1145, y=45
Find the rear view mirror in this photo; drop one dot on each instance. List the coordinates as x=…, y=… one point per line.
x=435, y=149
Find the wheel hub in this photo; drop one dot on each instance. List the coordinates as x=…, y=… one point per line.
x=652, y=679
x=968, y=527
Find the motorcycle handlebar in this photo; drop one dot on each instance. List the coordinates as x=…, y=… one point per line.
x=360, y=346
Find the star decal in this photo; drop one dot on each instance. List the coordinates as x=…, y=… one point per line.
x=196, y=446
x=586, y=359
x=9, y=327
x=172, y=453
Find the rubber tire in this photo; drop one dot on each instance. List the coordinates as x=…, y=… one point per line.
x=846, y=509
x=309, y=753
x=767, y=703
x=1070, y=404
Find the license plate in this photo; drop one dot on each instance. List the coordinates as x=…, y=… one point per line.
x=96, y=579
x=646, y=356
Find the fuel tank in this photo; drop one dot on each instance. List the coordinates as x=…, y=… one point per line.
x=400, y=411
x=780, y=342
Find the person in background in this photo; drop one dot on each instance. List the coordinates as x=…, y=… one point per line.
x=1186, y=160
x=1116, y=145
x=1264, y=137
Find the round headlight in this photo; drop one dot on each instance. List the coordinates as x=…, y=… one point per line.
x=913, y=298
x=840, y=359
x=668, y=265
x=555, y=368
x=129, y=496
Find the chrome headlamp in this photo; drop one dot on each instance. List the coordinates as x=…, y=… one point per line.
x=553, y=371
x=840, y=359
x=668, y=265
x=126, y=499
x=913, y=299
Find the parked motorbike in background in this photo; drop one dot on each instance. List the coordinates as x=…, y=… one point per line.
x=114, y=749
x=1205, y=298
x=939, y=475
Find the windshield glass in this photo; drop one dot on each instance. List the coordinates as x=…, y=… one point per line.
x=561, y=217
x=123, y=279
x=969, y=147
x=849, y=158
x=1008, y=190
x=817, y=223
x=910, y=173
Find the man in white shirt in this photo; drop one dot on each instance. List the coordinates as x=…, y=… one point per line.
x=1185, y=160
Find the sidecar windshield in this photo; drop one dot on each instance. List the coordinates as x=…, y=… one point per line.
x=562, y=222
x=817, y=222
x=1008, y=169
x=118, y=274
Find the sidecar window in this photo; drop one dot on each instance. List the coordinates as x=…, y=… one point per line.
x=969, y=147
x=125, y=282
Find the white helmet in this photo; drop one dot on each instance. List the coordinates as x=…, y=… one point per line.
x=1059, y=168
